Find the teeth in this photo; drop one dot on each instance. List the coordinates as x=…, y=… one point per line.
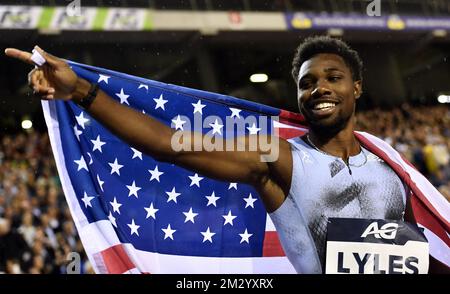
x=324, y=105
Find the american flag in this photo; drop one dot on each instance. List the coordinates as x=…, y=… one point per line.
x=153, y=216
x=137, y=215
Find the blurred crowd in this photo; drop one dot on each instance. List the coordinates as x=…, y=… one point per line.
x=37, y=234
x=420, y=133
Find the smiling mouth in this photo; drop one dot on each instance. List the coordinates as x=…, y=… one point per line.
x=324, y=106
x=323, y=109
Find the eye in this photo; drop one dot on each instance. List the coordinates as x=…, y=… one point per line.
x=334, y=78
x=305, y=84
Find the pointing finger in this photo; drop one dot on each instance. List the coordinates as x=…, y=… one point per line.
x=19, y=54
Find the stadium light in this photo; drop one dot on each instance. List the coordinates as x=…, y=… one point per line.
x=335, y=32
x=27, y=124
x=443, y=98
x=439, y=33
x=259, y=78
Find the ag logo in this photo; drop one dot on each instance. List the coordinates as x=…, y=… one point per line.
x=387, y=231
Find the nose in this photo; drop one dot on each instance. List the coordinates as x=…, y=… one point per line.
x=319, y=90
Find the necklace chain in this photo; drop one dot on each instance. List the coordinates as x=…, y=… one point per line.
x=323, y=152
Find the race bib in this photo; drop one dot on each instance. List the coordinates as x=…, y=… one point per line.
x=371, y=246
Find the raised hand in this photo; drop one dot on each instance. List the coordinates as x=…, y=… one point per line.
x=53, y=80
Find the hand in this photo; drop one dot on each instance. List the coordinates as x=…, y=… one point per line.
x=53, y=80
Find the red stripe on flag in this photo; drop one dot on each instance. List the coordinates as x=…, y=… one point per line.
x=272, y=246
x=292, y=118
x=289, y=133
x=405, y=178
x=116, y=260
x=423, y=215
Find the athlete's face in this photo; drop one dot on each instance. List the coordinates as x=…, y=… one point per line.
x=327, y=92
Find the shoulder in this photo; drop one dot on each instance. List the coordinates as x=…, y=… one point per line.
x=281, y=170
x=280, y=164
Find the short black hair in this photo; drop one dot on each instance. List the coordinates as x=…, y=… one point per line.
x=323, y=44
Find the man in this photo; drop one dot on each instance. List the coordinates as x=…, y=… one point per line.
x=326, y=173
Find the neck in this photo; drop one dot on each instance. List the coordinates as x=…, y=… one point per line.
x=342, y=144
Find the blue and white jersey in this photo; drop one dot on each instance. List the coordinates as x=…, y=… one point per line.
x=324, y=186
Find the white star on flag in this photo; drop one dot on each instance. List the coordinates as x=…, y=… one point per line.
x=100, y=182
x=212, y=199
x=190, y=216
x=115, y=205
x=229, y=218
x=123, y=97
x=136, y=153
x=253, y=129
x=198, y=107
x=245, y=236
x=168, y=232
x=112, y=219
x=143, y=86
x=133, y=189
x=81, y=164
x=77, y=132
x=97, y=144
x=235, y=112
x=217, y=127
x=232, y=185
x=160, y=102
x=249, y=201
x=173, y=195
x=81, y=120
x=155, y=174
x=207, y=235
x=134, y=228
x=115, y=167
x=178, y=123
x=195, y=180
x=103, y=78
x=151, y=211
x=87, y=200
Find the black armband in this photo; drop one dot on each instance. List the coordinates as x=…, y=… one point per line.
x=86, y=101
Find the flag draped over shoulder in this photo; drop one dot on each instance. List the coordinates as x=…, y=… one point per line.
x=135, y=214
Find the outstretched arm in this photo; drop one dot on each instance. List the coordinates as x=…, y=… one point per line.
x=56, y=80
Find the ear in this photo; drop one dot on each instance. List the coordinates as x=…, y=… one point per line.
x=357, y=89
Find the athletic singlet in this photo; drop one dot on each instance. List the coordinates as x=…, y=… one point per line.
x=323, y=186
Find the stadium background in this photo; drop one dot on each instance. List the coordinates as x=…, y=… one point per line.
x=216, y=46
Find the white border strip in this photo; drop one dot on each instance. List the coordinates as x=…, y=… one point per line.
x=280, y=125
x=150, y=262
x=177, y=264
x=81, y=223
x=438, y=249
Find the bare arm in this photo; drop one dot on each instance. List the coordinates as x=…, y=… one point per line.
x=154, y=138
x=55, y=79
